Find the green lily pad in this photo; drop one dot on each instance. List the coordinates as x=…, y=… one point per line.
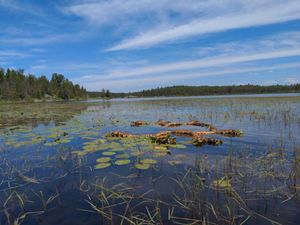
x=160, y=148
x=122, y=162
x=102, y=165
x=142, y=166
x=103, y=159
x=160, y=154
x=137, y=153
x=148, y=161
x=123, y=156
x=223, y=183
x=108, y=153
x=63, y=141
x=179, y=146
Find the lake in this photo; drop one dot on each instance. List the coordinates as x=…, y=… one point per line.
x=192, y=160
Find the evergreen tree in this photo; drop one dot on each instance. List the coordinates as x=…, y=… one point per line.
x=14, y=84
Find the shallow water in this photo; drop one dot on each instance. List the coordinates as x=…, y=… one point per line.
x=49, y=154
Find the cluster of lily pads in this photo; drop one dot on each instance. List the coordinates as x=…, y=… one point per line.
x=118, y=148
x=139, y=151
x=145, y=145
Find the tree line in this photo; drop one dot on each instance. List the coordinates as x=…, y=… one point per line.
x=16, y=85
x=103, y=94
x=216, y=90
x=204, y=90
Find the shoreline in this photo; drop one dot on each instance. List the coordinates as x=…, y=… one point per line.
x=285, y=94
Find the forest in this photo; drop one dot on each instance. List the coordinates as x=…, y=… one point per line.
x=201, y=90
x=216, y=90
x=16, y=85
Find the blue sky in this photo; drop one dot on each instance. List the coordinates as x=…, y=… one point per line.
x=138, y=44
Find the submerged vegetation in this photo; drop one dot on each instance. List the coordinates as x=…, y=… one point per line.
x=15, y=85
x=94, y=163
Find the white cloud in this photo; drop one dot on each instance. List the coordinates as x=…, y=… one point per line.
x=40, y=40
x=135, y=84
x=287, y=40
x=190, y=75
x=114, y=11
x=13, y=54
x=201, y=63
x=251, y=14
x=21, y=6
x=148, y=23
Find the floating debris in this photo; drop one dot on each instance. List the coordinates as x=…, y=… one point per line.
x=120, y=134
x=162, y=138
x=188, y=133
x=174, y=124
x=162, y=123
x=230, y=133
x=197, y=123
x=138, y=123
x=199, y=141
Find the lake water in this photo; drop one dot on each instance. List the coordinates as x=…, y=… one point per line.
x=59, y=165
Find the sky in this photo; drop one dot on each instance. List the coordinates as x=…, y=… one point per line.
x=130, y=45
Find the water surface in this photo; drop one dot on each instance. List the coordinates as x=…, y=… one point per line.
x=50, y=152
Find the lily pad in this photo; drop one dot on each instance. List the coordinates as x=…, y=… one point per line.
x=137, y=153
x=223, y=183
x=122, y=162
x=148, y=161
x=102, y=165
x=179, y=146
x=108, y=153
x=160, y=154
x=160, y=148
x=123, y=156
x=103, y=159
x=142, y=166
